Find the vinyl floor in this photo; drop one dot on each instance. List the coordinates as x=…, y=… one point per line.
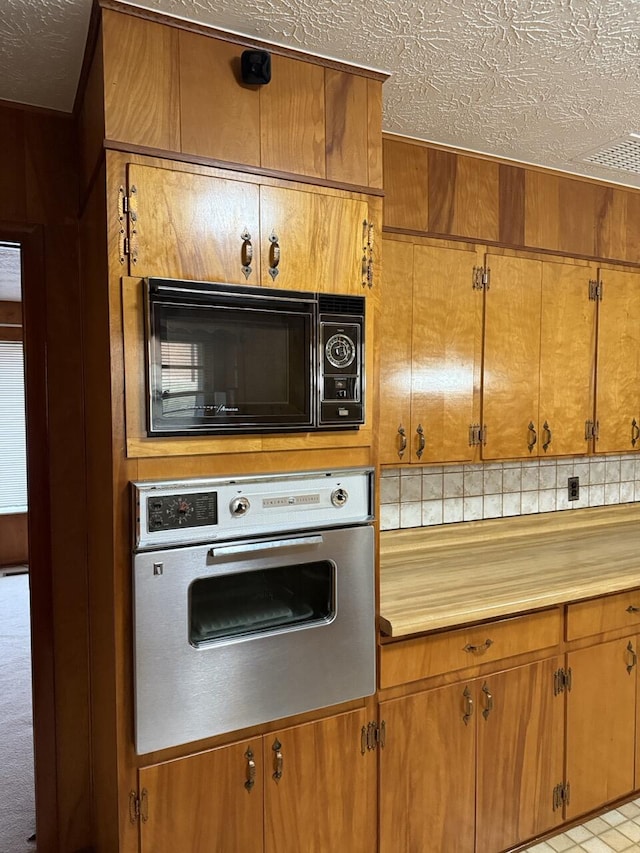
x=618, y=831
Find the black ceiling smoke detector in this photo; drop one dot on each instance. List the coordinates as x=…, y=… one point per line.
x=256, y=67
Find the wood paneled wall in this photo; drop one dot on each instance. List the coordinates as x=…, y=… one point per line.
x=174, y=87
x=38, y=207
x=444, y=193
x=14, y=549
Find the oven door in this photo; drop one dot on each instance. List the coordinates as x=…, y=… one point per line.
x=232, y=635
x=225, y=360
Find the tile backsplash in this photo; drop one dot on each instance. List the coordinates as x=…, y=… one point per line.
x=440, y=494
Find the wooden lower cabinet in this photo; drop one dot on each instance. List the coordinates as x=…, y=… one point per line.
x=304, y=789
x=601, y=725
x=472, y=766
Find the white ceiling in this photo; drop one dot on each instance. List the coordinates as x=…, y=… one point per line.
x=539, y=81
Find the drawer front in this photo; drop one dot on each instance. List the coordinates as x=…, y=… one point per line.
x=609, y=613
x=436, y=654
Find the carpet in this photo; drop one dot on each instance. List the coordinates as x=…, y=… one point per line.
x=17, y=805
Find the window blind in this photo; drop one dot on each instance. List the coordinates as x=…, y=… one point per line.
x=13, y=445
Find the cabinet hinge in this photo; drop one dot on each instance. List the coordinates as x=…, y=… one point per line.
x=561, y=795
x=480, y=279
x=127, y=225
x=477, y=435
x=562, y=680
x=591, y=430
x=373, y=735
x=595, y=289
x=138, y=806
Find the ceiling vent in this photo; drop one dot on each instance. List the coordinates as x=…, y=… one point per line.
x=623, y=154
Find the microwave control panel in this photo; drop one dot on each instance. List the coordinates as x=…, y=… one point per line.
x=342, y=374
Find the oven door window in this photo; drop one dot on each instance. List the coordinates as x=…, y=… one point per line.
x=218, y=368
x=262, y=601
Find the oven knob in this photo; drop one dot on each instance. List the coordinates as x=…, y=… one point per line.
x=239, y=506
x=339, y=497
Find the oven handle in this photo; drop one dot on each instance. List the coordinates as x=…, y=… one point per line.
x=227, y=550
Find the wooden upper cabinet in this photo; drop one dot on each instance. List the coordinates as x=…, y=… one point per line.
x=446, y=351
x=430, y=346
x=539, y=354
x=292, y=115
x=202, y=803
x=510, y=380
x=219, y=115
x=141, y=81
x=347, y=127
x=567, y=358
x=394, y=345
x=193, y=226
x=316, y=239
x=406, y=204
x=618, y=388
x=325, y=796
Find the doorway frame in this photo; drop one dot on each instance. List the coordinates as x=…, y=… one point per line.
x=30, y=238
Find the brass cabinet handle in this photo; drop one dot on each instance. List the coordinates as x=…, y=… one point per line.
x=468, y=706
x=635, y=432
x=533, y=436
x=246, y=252
x=488, y=708
x=634, y=657
x=632, y=609
x=547, y=429
x=479, y=650
x=403, y=440
x=421, y=441
x=251, y=770
x=278, y=760
x=274, y=255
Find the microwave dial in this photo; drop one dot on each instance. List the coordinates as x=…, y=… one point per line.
x=339, y=497
x=239, y=506
x=340, y=351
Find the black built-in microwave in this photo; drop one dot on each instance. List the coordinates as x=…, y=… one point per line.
x=225, y=359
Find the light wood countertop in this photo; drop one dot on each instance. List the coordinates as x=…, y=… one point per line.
x=451, y=575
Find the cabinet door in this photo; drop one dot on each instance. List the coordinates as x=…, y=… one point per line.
x=567, y=359
x=520, y=755
x=312, y=241
x=394, y=336
x=204, y=803
x=447, y=340
x=427, y=780
x=193, y=226
x=325, y=796
x=601, y=714
x=510, y=376
x=618, y=390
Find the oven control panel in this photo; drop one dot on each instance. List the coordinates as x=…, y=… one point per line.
x=174, y=512
x=193, y=511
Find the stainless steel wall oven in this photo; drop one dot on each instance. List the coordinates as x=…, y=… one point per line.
x=253, y=601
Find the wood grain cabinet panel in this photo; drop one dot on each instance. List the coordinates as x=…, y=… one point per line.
x=601, y=719
x=191, y=226
x=141, y=81
x=219, y=115
x=427, y=773
x=539, y=358
x=325, y=798
x=292, y=117
x=599, y=615
x=347, y=123
x=320, y=238
x=520, y=723
x=406, y=185
x=618, y=389
x=431, y=311
x=202, y=803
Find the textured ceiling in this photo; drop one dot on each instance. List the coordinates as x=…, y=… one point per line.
x=539, y=81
